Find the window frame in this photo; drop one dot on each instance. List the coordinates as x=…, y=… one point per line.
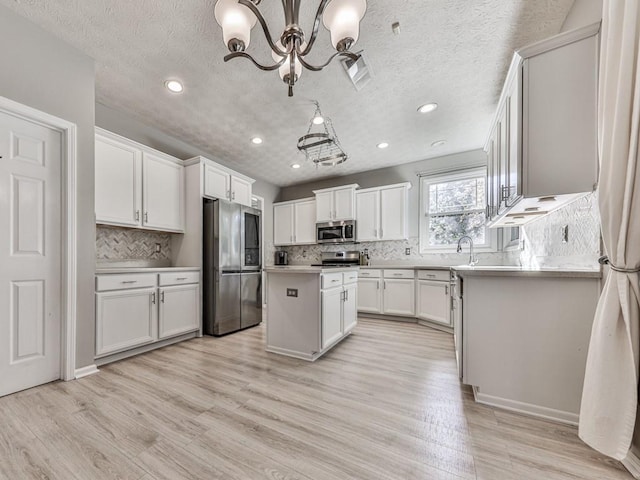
x=491, y=235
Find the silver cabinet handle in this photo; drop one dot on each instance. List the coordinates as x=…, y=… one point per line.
x=431, y=275
x=146, y=217
x=137, y=215
x=384, y=284
x=153, y=298
x=378, y=285
x=162, y=296
x=346, y=295
x=129, y=281
x=446, y=289
x=397, y=274
x=334, y=281
x=233, y=195
x=181, y=278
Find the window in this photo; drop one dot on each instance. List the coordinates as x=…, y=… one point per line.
x=451, y=206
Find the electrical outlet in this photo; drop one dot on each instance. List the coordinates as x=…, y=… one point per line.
x=158, y=248
x=292, y=292
x=407, y=251
x=565, y=234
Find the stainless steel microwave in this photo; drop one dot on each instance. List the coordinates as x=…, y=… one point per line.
x=336, y=232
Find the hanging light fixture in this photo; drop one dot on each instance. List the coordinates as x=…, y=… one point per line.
x=340, y=17
x=321, y=145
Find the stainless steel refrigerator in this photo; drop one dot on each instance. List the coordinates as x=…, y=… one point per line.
x=232, y=276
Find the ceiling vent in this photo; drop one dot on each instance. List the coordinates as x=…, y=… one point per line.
x=358, y=71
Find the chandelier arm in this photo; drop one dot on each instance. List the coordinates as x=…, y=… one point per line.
x=315, y=68
x=314, y=32
x=251, y=6
x=267, y=68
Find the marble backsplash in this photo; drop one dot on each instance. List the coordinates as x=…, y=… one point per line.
x=116, y=245
x=543, y=245
x=394, y=252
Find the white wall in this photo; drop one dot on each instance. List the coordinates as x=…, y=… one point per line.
x=583, y=12
x=42, y=72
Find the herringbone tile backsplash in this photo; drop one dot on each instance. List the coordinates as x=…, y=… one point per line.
x=114, y=243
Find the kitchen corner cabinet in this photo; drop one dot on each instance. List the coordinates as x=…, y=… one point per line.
x=294, y=222
x=389, y=292
x=433, y=301
x=336, y=204
x=382, y=213
x=541, y=148
x=139, y=309
x=222, y=183
x=136, y=186
x=369, y=291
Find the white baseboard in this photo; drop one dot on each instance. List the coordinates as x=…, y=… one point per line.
x=527, y=408
x=632, y=463
x=86, y=371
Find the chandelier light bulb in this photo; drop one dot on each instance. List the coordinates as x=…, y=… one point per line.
x=285, y=68
x=342, y=19
x=236, y=21
x=318, y=120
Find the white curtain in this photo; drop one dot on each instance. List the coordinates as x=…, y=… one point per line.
x=610, y=395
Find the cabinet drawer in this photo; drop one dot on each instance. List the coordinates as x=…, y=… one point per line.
x=399, y=274
x=331, y=280
x=350, y=277
x=439, y=275
x=125, y=281
x=178, y=278
x=367, y=273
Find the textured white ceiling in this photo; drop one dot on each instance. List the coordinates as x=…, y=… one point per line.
x=453, y=52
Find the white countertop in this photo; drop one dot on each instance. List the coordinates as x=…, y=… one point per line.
x=107, y=270
x=306, y=269
x=515, y=270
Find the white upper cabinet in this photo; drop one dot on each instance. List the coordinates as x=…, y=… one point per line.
x=542, y=148
x=335, y=204
x=137, y=186
x=382, y=213
x=294, y=222
x=220, y=182
x=118, y=184
x=163, y=193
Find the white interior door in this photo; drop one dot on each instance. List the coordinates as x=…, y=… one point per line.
x=30, y=242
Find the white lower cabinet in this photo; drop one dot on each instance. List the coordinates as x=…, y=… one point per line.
x=369, y=295
x=350, y=308
x=178, y=310
x=125, y=319
x=433, y=301
x=332, y=299
x=398, y=297
x=132, y=310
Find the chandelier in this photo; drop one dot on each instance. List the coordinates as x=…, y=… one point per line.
x=340, y=17
x=321, y=145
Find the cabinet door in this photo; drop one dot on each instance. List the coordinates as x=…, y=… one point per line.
x=393, y=213
x=179, y=310
x=163, y=191
x=241, y=191
x=304, y=222
x=369, y=295
x=433, y=302
x=398, y=297
x=492, y=191
x=331, y=316
x=125, y=319
x=324, y=207
x=502, y=160
x=367, y=215
x=344, y=204
x=514, y=116
x=118, y=183
x=217, y=183
x=283, y=224
x=350, y=308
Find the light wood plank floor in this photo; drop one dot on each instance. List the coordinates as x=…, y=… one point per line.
x=384, y=404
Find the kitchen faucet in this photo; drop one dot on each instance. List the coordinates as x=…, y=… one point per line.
x=472, y=260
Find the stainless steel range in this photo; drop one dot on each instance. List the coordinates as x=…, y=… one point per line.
x=339, y=259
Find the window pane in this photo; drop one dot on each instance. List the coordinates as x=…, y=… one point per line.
x=468, y=194
x=447, y=229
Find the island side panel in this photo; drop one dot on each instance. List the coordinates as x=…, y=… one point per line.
x=526, y=339
x=293, y=323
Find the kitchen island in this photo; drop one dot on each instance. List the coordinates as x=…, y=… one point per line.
x=309, y=309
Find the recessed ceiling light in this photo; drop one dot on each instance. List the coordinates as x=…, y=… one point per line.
x=438, y=143
x=295, y=165
x=427, y=107
x=318, y=120
x=174, y=86
x=256, y=140
x=382, y=145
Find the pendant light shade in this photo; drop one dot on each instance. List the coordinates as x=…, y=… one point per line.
x=236, y=21
x=342, y=19
x=285, y=68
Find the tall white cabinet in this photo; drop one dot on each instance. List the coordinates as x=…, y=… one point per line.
x=382, y=213
x=136, y=186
